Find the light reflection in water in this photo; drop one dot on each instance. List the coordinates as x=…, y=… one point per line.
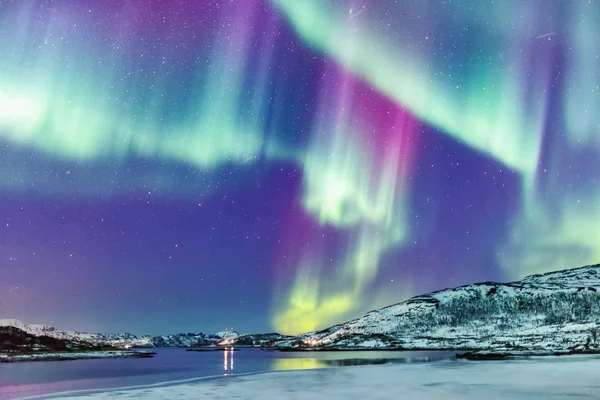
x=285, y=364
x=318, y=360
x=228, y=359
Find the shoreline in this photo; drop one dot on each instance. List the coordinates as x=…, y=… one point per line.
x=470, y=354
x=367, y=349
x=484, y=355
x=521, y=379
x=461, y=353
x=72, y=356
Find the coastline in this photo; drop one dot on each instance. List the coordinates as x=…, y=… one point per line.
x=71, y=356
x=515, y=379
x=461, y=353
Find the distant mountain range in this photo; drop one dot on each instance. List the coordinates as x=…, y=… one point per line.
x=18, y=339
x=121, y=340
x=557, y=312
x=126, y=340
x=26, y=343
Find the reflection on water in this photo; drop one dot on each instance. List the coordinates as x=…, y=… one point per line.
x=308, y=360
x=305, y=360
x=228, y=359
x=19, y=380
x=286, y=364
x=373, y=361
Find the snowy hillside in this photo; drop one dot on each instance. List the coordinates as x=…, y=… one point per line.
x=32, y=329
x=123, y=339
x=186, y=340
x=554, y=312
x=117, y=340
x=227, y=335
x=262, y=339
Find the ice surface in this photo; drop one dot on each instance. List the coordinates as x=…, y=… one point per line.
x=538, y=378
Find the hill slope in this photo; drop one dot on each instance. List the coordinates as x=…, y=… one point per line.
x=122, y=339
x=14, y=339
x=553, y=312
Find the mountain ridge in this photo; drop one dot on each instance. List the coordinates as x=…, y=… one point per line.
x=122, y=339
x=551, y=312
x=557, y=311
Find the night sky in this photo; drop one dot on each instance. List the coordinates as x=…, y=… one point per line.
x=195, y=165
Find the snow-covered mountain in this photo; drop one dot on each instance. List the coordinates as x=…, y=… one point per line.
x=227, y=335
x=553, y=312
x=112, y=339
x=32, y=329
x=186, y=340
x=262, y=339
x=123, y=339
x=18, y=339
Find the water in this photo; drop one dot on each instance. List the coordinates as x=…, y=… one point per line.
x=36, y=378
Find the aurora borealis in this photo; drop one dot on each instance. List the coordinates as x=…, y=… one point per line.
x=173, y=166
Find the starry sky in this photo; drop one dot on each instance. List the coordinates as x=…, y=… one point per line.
x=181, y=165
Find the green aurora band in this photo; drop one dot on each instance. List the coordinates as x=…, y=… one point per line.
x=76, y=107
x=83, y=109
x=498, y=108
x=356, y=181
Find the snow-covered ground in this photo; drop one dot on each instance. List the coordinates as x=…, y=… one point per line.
x=537, y=378
x=540, y=314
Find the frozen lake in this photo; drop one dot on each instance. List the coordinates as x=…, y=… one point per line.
x=36, y=378
x=570, y=377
